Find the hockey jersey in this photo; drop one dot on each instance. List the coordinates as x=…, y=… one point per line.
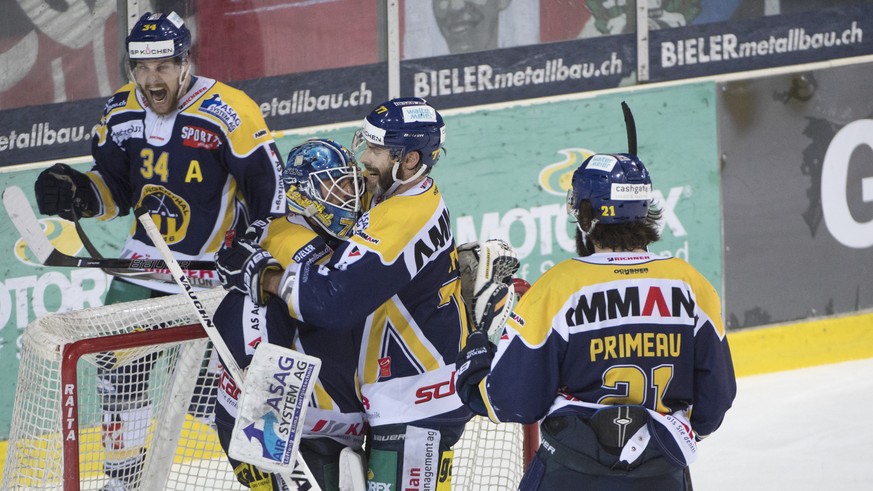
x=335, y=409
x=615, y=328
x=398, y=277
x=198, y=170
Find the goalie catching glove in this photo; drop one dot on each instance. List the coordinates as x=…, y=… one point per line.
x=487, y=285
x=241, y=264
x=64, y=191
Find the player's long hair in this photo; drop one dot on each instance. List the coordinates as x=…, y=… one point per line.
x=618, y=237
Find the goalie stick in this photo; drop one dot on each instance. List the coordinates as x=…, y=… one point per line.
x=24, y=219
x=270, y=364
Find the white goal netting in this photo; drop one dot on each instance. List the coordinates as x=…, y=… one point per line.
x=127, y=390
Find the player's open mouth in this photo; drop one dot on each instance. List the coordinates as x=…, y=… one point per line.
x=158, y=96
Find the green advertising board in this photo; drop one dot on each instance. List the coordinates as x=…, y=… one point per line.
x=505, y=174
x=506, y=171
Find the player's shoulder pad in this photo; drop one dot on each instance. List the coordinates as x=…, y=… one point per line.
x=291, y=242
x=119, y=115
x=236, y=114
x=124, y=99
x=705, y=294
x=540, y=308
x=396, y=223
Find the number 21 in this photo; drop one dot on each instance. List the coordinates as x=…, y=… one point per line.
x=636, y=384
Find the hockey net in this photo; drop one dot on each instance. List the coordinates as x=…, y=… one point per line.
x=127, y=390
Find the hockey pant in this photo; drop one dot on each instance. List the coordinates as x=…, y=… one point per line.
x=573, y=456
x=401, y=456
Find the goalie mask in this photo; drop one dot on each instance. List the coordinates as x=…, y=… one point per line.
x=404, y=125
x=323, y=182
x=617, y=185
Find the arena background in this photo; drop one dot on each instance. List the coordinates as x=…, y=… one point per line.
x=754, y=117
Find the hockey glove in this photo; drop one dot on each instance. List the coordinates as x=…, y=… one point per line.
x=471, y=366
x=241, y=265
x=488, y=267
x=64, y=191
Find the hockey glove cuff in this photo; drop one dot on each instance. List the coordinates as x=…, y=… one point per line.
x=471, y=366
x=63, y=191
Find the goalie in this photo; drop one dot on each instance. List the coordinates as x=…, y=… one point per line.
x=324, y=188
x=611, y=349
x=395, y=282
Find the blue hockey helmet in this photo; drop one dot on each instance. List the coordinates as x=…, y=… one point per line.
x=617, y=185
x=406, y=124
x=158, y=36
x=323, y=182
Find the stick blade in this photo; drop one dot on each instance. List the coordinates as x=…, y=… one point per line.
x=24, y=219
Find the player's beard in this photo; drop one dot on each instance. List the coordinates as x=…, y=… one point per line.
x=162, y=98
x=378, y=182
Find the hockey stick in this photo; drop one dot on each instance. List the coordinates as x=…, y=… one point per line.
x=89, y=246
x=279, y=377
x=631, y=128
x=185, y=287
x=24, y=219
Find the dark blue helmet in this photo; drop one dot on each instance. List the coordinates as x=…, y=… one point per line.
x=158, y=36
x=617, y=185
x=322, y=181
x=406, y=125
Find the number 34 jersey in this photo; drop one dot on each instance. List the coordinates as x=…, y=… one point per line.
x=614, y=328
x=195, y=169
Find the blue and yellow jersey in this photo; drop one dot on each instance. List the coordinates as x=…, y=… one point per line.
x=199, y=170
x=397, y=276
x=335, y=409
x=614, y=328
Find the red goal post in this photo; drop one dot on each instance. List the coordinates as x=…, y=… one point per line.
x=58, y=437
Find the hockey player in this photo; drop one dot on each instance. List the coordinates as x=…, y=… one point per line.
x=324, y=190
x=612, y=349
x=195, y=152
x=397, y=276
